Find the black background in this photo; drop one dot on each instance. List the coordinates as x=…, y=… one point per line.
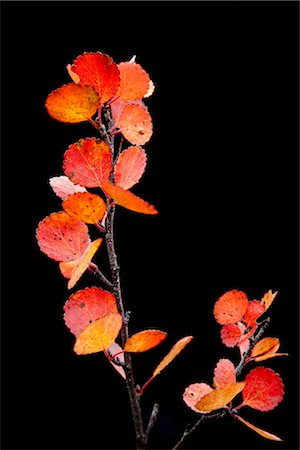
x=222, y=171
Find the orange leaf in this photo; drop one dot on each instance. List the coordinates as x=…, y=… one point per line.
x=254, y=311
x=266, y=348
x=151, y=89
x=219, y=398
x=130, y=166
x=88, y=162
x=84, y=206
x=268, y=299
x=74, y=77
x=193, y=393
x=135, y=124
x=263, y=390
x=175, y=350
x=262, y=433
x=99, y=335
x=134, y=82
x=61, y=237
x=98, y=71
x=230, y=307
x=224, y=373
x=83, y=262
x=231, y=334
x=63, y=187
x=86, y=306
x=127, y=199
x=144, y=340
x=72, y=103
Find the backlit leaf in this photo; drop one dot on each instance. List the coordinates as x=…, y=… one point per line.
x=63, y=186
x=62, y=237
x=219, y=398
x=86, y=306
x=74, y=77
x=268, y=298
x=266, y=348
x=175, y=350
x=83, y=262
x=193, y=393
x=134, y=82
x=230, y=307
x=127, y=199
x=231, y=334
x=135, y=124
x=72, y=103
x=151, y=89
x=264, y=389
x=84, y=206
x=113, y=349
x=88, y=162
x=262, y=433
x=144, y=340
x=99, y=335
x=224, y=373
x=98, y=71
x=130, y=166
x=254, y=311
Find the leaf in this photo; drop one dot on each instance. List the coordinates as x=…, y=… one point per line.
x=63, y=186
x=113, y=349
x=219, y=398
x=224, y=373
x=266, y=348
x=263, y=390
x=231, y=334
x=244, y=346
x=134, y=82
x=151, y=89
x=74, y=77
x=99, y=335
x=86, y=306
x=230, y=307
x=88, y=162
x=175, y=350
x=193, y=393
x=62, y=237
x=127, y=199
x=135, y=124
x=268, y=299
x=129, y=167
x=254, y=311
x=262, y=433
x=72, y=103
x=144, y=340
x=98, y=71
x=84, y=206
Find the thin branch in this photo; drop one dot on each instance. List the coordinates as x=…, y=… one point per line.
x=152, y=420
x=94, y=269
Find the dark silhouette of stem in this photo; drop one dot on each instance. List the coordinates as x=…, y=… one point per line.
x=152, y=420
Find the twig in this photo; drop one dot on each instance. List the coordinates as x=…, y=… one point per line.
x=94, y=269
x=152, y=420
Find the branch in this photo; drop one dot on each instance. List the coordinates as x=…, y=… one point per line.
x=94, y=269
x=152, y=420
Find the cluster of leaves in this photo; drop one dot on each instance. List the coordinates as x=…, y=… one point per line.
x=262, y=388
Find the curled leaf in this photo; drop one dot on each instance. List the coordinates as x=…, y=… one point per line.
x=63, y=186
x=130, y=166
x=175, y=350
x=264, y=389
x=144, y=340
x=224, y=373
x=259, y=431
x=84, y=206
x=193, y=393
x=219, y=398
x=230, y=307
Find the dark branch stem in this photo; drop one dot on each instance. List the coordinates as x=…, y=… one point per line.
x=152, y=420
x=97, y=272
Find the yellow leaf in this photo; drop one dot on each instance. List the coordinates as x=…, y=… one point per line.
x=219, y=398
x=263, y=433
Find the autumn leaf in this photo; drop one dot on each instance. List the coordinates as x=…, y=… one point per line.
x=254, y=311
x=84, y=206
x=144, y=340
x=88, y=162
x=62, y=237
x=113, y=349
x=151, y=89
x=134, y=82
x=264, y=389
x=74, y=77
x=72, y=103
x=98, y=71
x=219, y=398
x=130, y=166
x=231, y=334
x=86, y=306
x=135, y=124
x=193, y=393
x=230, y=307
x=224, y=373
x=259, y=431
x=268, y=299
x=99, y=335
x=175, y=350
x=63, y=187
x=266, y=348
x=127, y=199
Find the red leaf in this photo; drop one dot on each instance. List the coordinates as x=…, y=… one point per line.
x=193, y=393
x=230, y=334
x=224, y=373
x=86, y=306
x=254, y=311
x=144, y=340
x=88, y=162
x=98, y=71
x=264, y=389
x=61, y=237
x=63, y=186
x=135, y=124
x=127, y=199
x=230, y=307
x=130, y=166
x=134, y=82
